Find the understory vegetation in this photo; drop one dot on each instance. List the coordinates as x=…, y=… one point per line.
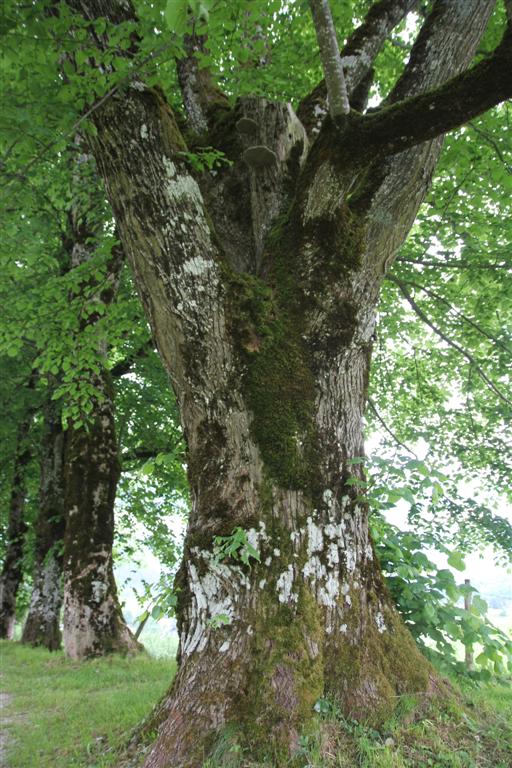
x=61, y=714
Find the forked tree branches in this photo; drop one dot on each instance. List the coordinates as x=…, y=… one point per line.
x=423, y=117
x=357, y=57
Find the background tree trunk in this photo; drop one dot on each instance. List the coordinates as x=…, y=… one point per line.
x=93, y=622
x=12, y=569
x=42, y=625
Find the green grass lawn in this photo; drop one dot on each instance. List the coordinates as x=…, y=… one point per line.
x=63, y=714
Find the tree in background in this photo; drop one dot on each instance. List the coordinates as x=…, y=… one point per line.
x=11, y=575
x=260, y=280
x=59, y=295
x=42, y=624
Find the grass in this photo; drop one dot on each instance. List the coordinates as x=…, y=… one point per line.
x=64, y=714
x=160, y=645
x=69, y=715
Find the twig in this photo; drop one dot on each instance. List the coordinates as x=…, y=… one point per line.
x=421, y=314
x=389, y=431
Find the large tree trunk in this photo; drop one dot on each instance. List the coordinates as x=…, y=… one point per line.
x=261, y=284
x=42, y=625
x=93, y=621
x=12, y=569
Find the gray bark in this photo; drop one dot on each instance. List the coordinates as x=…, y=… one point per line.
x=93, y=621
x=42, y=625
x=331, y=60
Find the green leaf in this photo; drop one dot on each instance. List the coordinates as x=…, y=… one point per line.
x=176, y=15
x=456, y=560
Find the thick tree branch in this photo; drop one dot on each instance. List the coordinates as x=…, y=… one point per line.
x=396, y=185
x=330, y=56
x=471, y=360
x=200, y=94
x=357, y=57
x=423, y=117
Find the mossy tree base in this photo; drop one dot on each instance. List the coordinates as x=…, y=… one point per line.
x=312, y=619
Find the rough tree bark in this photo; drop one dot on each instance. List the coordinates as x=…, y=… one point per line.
x=93, y=620
x=261, y=284
x=42, y=625
x=12, y=569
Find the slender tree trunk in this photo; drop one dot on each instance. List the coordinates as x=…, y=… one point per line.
x=12, y=570
x=42, y=625
x=93, y=621
x=261, y=285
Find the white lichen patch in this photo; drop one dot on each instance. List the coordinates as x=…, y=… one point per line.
x=225, y=646
x=99, y=590
x=181, y=187
x=314, y=569
x=315, y=537
x=97, y=496
x=333, y=556
x=319, y=110
x=216, y=589
x=379, y=621
x=197, y=266
x=285, y=586
x=351, y=558
x=335, y=532
x=329, y=593
x=144, y=133
x=257, y=538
